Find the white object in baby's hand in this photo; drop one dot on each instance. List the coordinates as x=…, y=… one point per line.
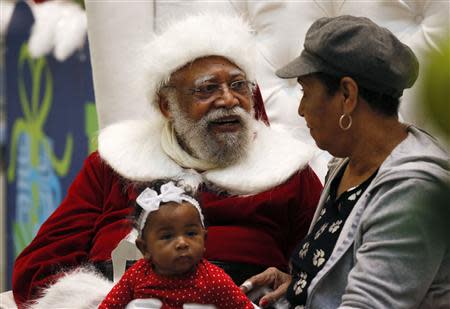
x=198, y=306
x=147, y=303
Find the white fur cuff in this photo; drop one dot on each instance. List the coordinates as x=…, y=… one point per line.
x=82, y=288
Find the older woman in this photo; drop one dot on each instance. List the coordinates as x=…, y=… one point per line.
x=375, y=241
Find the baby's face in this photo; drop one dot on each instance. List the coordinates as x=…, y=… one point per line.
x=174, y=239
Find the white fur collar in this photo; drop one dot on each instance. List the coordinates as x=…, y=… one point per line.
x=133, y=150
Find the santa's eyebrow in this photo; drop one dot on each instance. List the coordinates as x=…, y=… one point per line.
x=206, y=78
x=203, y=79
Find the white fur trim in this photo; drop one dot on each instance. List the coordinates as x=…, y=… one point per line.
x=204, y=34
x=133, y=150
x=82, y=288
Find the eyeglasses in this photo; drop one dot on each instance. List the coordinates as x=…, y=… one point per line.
x=214, y=90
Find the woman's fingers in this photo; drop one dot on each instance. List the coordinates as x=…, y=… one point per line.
x=272, y=277
x=273, y=296
x=266, y=278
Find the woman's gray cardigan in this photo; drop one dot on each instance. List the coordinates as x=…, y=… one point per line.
x=393, y=251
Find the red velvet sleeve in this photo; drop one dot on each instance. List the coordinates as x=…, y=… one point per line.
x=309, y=189
x=65, y=237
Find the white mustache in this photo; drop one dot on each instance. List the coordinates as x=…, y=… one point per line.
x=216, y=114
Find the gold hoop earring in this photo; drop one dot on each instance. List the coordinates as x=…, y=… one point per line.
x=341, y=121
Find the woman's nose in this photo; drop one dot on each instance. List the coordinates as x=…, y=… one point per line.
x=301, y=111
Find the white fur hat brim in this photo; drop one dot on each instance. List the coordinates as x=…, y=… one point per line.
x=198, y=36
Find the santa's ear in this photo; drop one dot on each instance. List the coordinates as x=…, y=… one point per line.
x=163, y=104
x=140, y=244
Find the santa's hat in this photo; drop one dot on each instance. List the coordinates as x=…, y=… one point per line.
x=197, y=36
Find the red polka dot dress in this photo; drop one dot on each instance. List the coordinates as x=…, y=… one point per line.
x=208, y=285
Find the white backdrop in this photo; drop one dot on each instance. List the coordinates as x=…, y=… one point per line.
x=116, y=30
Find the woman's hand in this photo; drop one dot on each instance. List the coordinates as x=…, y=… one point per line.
x=272, y=277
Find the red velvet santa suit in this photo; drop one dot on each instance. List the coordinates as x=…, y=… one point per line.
x=257, y=209
x=208, y=285
x=263, y=209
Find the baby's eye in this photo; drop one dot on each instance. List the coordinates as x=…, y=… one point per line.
x=165, y=236
x=192, y=233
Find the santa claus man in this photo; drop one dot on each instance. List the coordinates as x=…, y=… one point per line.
x=257, y=191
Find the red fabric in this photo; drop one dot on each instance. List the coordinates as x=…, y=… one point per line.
x=260, y=111
x=261, y=229
x=209, y=285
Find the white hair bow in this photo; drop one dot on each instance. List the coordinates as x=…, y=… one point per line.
x=150, y=201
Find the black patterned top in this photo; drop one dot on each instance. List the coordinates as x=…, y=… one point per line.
x=315, y=249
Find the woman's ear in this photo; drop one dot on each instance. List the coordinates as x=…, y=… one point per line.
x=349, y=90
x=140, y=244
x=163, y=104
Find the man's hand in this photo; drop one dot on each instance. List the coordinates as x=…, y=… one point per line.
x=272, y=277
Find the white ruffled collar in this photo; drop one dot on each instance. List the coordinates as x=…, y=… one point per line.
x=132, y=148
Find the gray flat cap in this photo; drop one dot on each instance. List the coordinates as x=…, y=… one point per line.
x=359, y=48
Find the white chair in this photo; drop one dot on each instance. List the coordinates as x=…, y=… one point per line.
x=7, y=300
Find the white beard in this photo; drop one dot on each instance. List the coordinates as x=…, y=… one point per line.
x=221, y=149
